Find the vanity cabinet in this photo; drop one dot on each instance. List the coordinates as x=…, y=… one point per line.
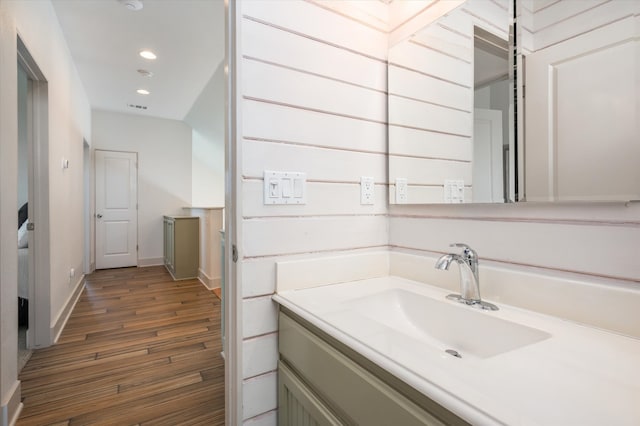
x=182, y=246
x=323, y=382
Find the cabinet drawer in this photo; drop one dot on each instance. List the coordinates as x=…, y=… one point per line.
x=353, y=393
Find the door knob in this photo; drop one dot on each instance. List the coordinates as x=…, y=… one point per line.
x=99, y=216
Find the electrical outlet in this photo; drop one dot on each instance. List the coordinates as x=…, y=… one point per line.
x=367, y=190
x=453, y=191
x=402, y=189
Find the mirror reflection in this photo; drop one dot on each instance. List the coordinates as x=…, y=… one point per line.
x=450, y=136
x=581, y=113
x=577, y=109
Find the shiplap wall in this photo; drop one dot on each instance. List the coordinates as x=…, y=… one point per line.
x=431, y=100
x=312, y=94
x=312, y=82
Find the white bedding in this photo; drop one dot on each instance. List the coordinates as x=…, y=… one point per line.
x=23, y=273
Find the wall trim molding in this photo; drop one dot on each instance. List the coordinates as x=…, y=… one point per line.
x=209, y=282
x=10, y=410
x=65, y=312
x=150, y=261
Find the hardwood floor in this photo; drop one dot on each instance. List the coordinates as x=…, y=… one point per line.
x=138, y=349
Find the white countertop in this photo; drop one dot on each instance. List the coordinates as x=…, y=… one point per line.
x=578, y=376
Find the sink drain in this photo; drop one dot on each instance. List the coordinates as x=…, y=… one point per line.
x=454, y=353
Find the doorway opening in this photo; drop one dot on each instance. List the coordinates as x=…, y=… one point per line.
x=33, y=195
x=491, y=130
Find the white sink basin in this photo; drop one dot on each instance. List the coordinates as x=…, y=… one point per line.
x=444, y=324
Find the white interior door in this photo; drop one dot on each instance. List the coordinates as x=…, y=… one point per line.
x=116, y=209
x=488, y=186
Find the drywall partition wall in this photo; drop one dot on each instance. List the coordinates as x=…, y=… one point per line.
x=9, y=384
x=211, y=222
x=206, y=118
x=164, y=170
x=68, y=123
x=311, y=91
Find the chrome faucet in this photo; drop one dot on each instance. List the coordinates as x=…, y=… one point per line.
x=469, y=281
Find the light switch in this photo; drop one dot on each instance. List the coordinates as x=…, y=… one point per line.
x=284, y=187
x=274, y=188
x=298, y=187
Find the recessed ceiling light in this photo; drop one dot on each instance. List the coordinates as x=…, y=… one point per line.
x=143, y=91
x=145, y=73
x=147, y=54
x=134, y=5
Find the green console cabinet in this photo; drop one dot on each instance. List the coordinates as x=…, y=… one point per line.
x=182, y=246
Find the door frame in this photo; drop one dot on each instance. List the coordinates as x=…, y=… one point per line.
x=39, y=334
x=87, y=201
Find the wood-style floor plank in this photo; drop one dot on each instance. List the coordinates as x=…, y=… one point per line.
x=138, y=349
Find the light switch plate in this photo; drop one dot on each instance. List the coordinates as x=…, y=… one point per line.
x=284, y=187
x=367, y=189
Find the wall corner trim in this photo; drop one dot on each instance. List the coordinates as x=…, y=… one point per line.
x=11, y=406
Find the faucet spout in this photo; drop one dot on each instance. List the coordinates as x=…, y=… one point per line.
x=469, y=285
x=469, y=281
x=444, y=262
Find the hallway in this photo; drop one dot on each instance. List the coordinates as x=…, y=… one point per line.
x=138, y=349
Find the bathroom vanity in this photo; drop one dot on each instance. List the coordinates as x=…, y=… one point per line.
x=323, y=381
x=390, y=350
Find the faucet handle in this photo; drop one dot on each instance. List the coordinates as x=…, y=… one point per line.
x=468, y=251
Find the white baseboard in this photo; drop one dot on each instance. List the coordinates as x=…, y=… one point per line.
x=150, y=261
x=207, y=281
x=10, y=411
x=66, y=310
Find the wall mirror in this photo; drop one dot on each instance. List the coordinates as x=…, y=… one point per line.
x=452, y=131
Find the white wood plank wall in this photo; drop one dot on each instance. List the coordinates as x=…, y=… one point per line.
x=312, y=93
x=549, y=22
x=431, y=100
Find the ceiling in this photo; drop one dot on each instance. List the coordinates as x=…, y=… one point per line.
x=105, y=39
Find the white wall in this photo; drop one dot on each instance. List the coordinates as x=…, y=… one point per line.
x=23, y=175
x=311, y=93
x=69, y=122
x=206, y=118
x=164, y=170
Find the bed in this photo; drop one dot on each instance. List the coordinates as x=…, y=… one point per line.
x=23, y=267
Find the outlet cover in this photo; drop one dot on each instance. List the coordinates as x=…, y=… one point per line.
x=367, y=190
x=402, y=189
